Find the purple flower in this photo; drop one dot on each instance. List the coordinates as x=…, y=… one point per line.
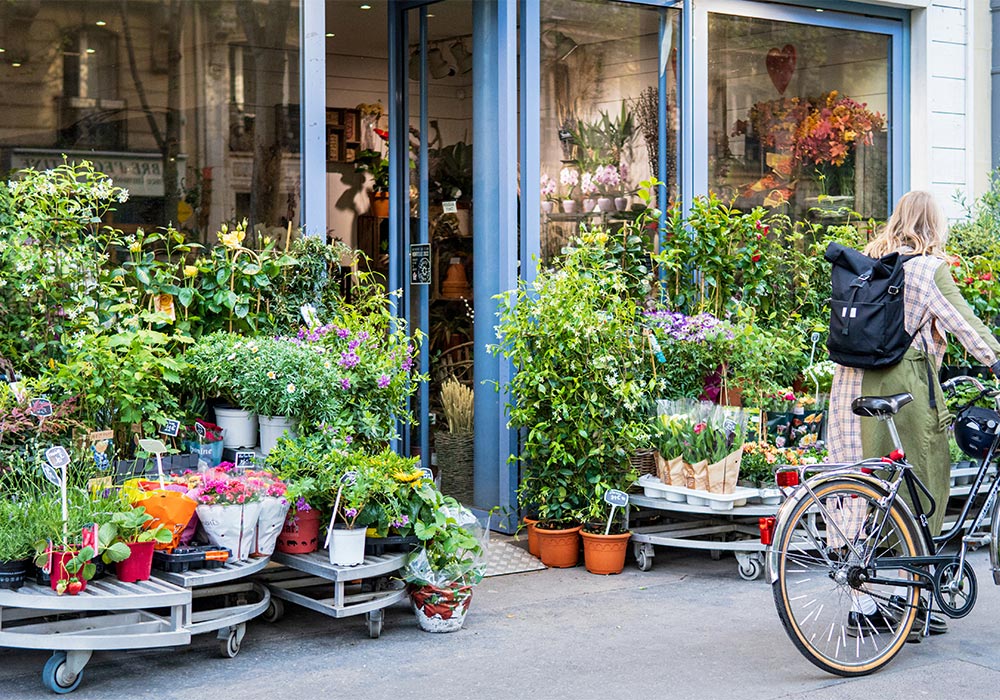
x=349, y=439
x=343, y=332
x=383, y=381
x=362, y=335
x=349, y=359
x=407, y=364
x=351, y=513
x=353, y=345
x=345, y=383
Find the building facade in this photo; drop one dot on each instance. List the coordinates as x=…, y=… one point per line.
x=497, y=127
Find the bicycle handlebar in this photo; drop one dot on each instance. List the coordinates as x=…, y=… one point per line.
x=952, y=384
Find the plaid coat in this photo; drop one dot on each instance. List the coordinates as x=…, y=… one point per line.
x=932, y=305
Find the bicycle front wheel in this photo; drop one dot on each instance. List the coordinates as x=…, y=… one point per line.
x=828, y=553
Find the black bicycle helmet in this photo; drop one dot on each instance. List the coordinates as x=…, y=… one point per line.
x=975, y=430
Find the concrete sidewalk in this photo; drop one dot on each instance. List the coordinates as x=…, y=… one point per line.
x=690, y=628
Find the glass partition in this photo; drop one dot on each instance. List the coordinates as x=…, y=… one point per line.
x=797, y=116
x=600, y=107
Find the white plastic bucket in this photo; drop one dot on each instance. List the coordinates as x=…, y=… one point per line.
x=347, y=546
x=240, y=427
x=272, y=428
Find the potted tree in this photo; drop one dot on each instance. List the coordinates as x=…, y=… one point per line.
x=441, y=575
x=581, y=388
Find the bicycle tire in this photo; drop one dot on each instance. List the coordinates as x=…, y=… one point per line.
x=835, y=567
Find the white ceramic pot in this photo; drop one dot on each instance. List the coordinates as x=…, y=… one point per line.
x=272, y=518
x=240, y=427
x=606, y=204
x=589, y=205
x=347, y=546
x=569, y=206
x=272, y=428
x=231, y=526
x=548, y=206
x=621, y=203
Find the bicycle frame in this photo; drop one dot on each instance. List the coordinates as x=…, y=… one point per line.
x=900, y=473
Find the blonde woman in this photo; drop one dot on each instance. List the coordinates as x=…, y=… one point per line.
x=933, y=306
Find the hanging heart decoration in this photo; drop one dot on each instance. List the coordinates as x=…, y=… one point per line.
x=781, y=65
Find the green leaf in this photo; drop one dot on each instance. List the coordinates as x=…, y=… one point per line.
x=142, y=275
x=185, y=296
x=119, y=551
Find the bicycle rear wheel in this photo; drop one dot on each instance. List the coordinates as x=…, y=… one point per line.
x=822, y=588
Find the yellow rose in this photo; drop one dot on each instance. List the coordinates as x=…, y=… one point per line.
x=190, y=271
x=136, y=247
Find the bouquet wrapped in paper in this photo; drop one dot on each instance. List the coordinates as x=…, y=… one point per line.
x=699, y=445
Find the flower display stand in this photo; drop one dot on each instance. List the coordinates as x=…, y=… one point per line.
x=366, y=589
x=706, y=527
x=113, y=616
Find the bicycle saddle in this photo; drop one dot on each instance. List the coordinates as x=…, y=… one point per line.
x=880, y=406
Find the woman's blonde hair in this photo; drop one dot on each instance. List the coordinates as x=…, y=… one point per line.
x=917, y=224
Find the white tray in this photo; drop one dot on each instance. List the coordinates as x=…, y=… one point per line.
x=654, y=488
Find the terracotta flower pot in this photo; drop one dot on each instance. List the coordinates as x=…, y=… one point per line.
x=604, y=554
x=380, y=204
x=300, y=535
x=559, y=549
x=532, y=535
x=139, y=563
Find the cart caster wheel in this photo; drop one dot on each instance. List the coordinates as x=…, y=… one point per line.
x=230, y=646
x=750, y=569
x=275, y=611
x=643, y=559
x=375, y=619
x=54, y=675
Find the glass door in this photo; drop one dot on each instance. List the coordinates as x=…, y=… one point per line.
x=442, y=263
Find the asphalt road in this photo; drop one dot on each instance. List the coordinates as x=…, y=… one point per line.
x=690, y=628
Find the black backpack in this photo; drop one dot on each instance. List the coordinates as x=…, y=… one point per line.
x=867, y=329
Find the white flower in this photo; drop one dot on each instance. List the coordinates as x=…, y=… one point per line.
x=290, y=388
x=271, y=375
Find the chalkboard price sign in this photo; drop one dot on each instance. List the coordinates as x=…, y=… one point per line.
x=420, y=263
x=614, y=497
x=171, y=428
x=40, y=408
x=245, y=459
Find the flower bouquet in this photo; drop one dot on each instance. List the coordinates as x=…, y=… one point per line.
x=704, y=443
x=274, y=508
x=228, y=506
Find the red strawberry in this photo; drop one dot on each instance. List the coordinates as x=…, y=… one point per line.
x=74, y=586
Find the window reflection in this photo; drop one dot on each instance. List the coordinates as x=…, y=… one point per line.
x=154, y=95
x=600, y=113
x=797, y=117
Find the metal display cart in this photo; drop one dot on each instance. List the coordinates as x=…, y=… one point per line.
x=366, y=589
x=735, y=530
x=109, y=615
x=230, y=582
x=700, y=527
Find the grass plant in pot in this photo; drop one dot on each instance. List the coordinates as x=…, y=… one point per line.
x=17, y=540
x=131, y=536
x=454, y=445
x=582, y=383
x=442, y=574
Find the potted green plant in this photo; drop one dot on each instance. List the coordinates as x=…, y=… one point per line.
x=442, y=573
x=605, y=542
x=281, y=382
x=215, y=368
x=130, y=541
x=581, y=387
x=16, y=543
x=377, y=165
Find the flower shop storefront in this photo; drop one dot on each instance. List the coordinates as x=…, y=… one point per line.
x=798, y=108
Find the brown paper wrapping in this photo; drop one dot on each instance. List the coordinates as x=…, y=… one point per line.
x=699, y=472
x=678, y=473
x=723, y=474
x=662, y=468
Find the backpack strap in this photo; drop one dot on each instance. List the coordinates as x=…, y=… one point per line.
x=848, y=311
x=930, y=373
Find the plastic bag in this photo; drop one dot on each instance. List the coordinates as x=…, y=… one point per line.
x=432, y=565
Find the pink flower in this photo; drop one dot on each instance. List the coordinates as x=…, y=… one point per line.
x=699, y=428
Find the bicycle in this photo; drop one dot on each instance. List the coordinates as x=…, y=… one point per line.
x=848, y=558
